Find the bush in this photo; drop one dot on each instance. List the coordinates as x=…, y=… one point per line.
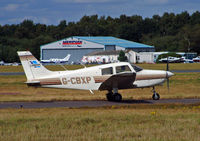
x=122, y=57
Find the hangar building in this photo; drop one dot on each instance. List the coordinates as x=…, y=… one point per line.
x=78, y=46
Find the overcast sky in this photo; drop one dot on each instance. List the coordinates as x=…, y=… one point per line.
x=53, y=11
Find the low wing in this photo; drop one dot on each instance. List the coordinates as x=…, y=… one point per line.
x=120, y=81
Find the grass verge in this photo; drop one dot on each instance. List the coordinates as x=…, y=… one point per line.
x=163, y=124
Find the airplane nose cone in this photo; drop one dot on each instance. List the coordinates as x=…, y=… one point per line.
x=169, y=74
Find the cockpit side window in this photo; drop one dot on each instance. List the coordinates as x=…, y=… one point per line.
x=137, y=68
x=107, y=71
x=124, y=68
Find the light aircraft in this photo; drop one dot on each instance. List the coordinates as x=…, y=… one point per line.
x=171, y=60
x=187, y=60
x=1, y=63
x=197, y=59
x=110, y=77
x=56, y=60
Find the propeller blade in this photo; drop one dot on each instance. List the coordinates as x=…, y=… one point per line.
x=168, y=84
x=167, y=77
x=167, y=64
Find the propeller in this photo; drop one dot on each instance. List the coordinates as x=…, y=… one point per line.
x=167, y=76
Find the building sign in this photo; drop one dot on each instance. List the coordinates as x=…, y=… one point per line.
x=71, y=43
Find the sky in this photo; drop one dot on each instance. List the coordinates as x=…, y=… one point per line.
x=53, y=11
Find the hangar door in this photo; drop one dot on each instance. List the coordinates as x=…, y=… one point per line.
x=110, y=47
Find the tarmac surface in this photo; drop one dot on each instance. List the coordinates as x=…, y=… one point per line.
x=94, y=103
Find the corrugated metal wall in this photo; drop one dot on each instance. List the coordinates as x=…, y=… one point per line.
x=76, y=54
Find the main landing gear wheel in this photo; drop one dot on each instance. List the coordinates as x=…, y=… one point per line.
x=114, y=97
x=109, y=96
x=155, y=96
x=117, y=97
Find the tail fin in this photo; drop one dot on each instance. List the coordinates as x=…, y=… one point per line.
x=67, y=57
x=32, y=67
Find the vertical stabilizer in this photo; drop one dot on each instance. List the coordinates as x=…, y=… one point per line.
x=32, y=67
x=67, y=57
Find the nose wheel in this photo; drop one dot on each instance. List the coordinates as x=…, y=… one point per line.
x=155, y=95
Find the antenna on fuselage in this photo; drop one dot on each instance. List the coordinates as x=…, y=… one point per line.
x=82, y=64
x=63, y=66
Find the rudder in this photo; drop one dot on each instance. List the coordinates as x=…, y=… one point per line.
x=32, y=67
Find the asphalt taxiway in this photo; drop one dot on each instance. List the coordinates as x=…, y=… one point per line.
x=94, y=103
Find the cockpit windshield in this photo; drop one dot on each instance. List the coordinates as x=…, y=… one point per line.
x=136, y=68
x=124, y=68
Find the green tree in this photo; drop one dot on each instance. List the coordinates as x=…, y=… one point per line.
x=195, y=18
x=195, y=39
x=122, y=56
x=169, y=32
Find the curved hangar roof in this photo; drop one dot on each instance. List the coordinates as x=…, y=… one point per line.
x=113, y=41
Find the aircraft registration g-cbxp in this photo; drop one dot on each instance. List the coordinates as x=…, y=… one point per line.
x=110, y=77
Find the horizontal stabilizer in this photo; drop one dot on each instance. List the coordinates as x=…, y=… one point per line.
x=33, y=83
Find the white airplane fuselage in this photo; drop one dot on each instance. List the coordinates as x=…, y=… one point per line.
x=88, y=78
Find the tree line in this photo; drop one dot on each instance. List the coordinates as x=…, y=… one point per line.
x=169, y=32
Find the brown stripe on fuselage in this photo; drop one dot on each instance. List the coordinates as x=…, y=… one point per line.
x=50, y=81
x=149, y=77
x=100, y=79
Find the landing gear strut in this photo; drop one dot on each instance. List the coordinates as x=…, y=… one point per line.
x=114, y=96
x=155, y=95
